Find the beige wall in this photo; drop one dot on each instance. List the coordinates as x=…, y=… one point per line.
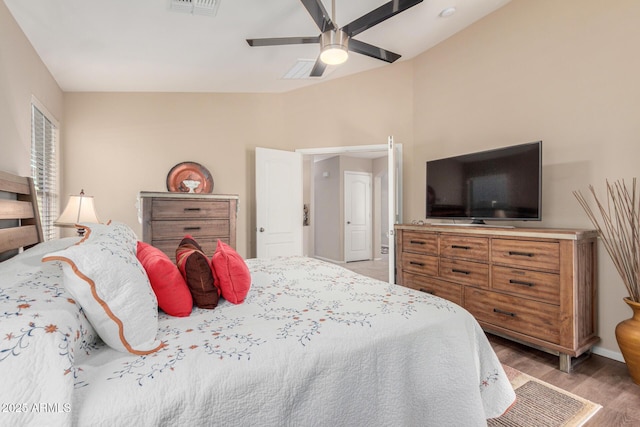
x=116, y=144
x=565, y=72
x=22, y=75
x=326, y=212
x=357, y=110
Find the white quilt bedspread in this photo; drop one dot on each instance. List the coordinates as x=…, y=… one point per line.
x=312, y=345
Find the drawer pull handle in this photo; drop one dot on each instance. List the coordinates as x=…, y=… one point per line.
x=426, y=291
x=421, y=264
x=192, y=228
x=516, y=253
x=453, y=270
x=191, y=209
x=508, y=313
x=519, y=282
x=417, y=242
x=466, y=248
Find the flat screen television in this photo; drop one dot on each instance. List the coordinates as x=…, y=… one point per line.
x=500, y=184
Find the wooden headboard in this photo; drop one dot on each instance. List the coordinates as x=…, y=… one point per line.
x=20, y=225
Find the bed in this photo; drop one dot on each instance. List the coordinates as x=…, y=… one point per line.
x=312, y=344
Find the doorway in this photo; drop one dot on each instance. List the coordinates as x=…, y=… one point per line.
x=324, y=196
x=389, y=155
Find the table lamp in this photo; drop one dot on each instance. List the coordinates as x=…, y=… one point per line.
x=79, y=209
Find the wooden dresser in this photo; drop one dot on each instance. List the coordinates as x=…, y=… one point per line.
x=168, y=217
x=535, y=286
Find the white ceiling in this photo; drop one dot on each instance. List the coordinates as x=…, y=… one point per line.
x=141, y=45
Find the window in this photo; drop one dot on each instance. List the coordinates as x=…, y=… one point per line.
x=44, y=169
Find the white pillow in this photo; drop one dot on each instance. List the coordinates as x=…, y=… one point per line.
x=118, y=230
x=104, y=276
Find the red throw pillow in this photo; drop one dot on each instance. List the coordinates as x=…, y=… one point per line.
x=167, y=283
x=196, y=270
x=231, y=273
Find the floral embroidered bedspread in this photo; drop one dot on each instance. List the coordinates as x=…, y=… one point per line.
x=313, y=344
x=42, y=331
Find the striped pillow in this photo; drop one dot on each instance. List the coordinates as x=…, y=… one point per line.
x=196, y=270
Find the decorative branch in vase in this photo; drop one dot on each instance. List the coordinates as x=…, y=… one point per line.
x=617, y=221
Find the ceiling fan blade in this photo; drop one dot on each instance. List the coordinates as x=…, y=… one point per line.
x=275, y=41
x=318, y=68
x=378, y=15
x=319, y=14
x=372, y=51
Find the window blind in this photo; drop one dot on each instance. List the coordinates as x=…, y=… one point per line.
x=44, y=169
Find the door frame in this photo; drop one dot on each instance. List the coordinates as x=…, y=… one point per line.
x=394, y=167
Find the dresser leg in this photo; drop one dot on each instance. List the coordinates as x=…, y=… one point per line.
x=565, y=363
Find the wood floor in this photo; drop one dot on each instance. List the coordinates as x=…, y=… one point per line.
x=378, y=269
x=596, y=378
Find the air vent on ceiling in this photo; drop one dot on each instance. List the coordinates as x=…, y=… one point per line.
x=300, y=70
x=197, y=7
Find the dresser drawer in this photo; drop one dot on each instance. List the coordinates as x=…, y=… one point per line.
x=197, y=228
x=465, y=272
x=424, y=264
x=531, y=284
x=168, y=217
x=439, y=288
x=528, y=317
x=462, y=247
x=421, y=243
x=526, y=254
x=181, y=209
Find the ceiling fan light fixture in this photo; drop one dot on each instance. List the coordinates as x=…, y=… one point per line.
x=334, y=47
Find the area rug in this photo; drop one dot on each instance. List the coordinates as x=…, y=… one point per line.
x=541, y=404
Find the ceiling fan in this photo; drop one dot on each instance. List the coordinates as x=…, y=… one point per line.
x=336, y=42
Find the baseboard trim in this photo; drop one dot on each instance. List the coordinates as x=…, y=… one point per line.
x=615, y=355
x=333, y=261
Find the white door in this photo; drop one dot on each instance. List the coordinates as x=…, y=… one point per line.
x=357, y=216
x=278, y=203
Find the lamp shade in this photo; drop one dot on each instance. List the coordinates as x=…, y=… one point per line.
x=79, y=209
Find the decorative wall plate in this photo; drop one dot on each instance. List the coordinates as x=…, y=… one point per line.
x=189, y=177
